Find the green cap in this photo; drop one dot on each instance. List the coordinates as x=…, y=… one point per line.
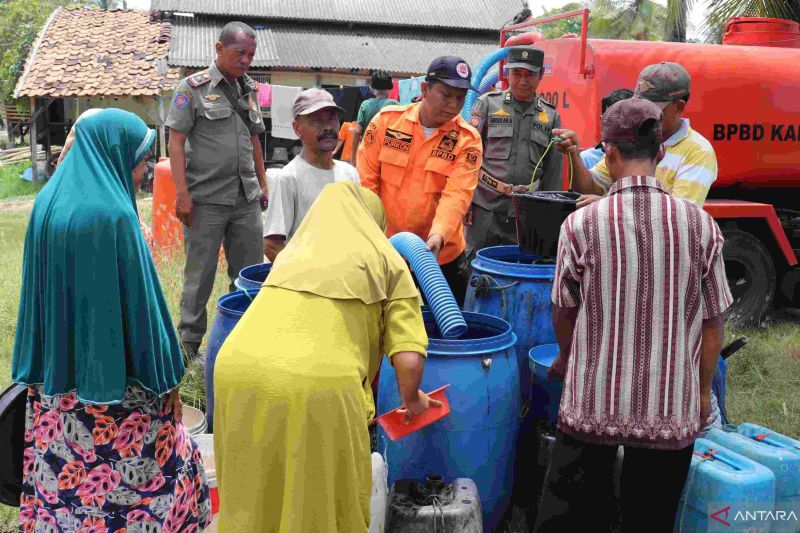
x=526, y=57
x=662, y=83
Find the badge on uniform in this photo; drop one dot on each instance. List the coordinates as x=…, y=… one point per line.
x=473, y=158
x=182, y=99
x=212, y=97
x=501, y=113
x=543, y=117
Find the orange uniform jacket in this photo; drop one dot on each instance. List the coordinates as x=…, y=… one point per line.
x=425, y=185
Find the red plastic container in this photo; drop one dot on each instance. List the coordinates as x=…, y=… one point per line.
x=393, y=422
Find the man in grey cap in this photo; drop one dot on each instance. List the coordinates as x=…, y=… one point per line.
x=293, y=188
x=690, y=165
x=217, y=164
x=516, y=128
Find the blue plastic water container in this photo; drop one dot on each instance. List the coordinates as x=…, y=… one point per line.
x=725, y=492
x=507, y=283
x=253, y=276
x=476, y=440
x=781, y=455
x=545, y=395
x=230, y=308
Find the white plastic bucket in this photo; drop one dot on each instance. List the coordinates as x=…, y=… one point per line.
x=194, y=420
x=205, y=442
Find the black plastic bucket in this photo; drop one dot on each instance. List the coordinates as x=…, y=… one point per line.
x=539, y=218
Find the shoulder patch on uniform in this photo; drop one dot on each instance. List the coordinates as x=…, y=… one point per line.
x=369, y=135
x=476, y=121
x=201, y=78
x=181, y=99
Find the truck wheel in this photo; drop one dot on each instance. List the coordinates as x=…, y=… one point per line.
x=751, y=277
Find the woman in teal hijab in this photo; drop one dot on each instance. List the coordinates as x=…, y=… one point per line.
x=104, y=443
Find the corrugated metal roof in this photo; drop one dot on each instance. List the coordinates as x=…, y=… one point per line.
x=330, y=46
x=193, y=39
x=462, y=14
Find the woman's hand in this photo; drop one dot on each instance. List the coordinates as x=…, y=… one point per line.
x=418, y=406
x=174, y=405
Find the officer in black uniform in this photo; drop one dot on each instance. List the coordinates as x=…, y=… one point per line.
x=515, y=126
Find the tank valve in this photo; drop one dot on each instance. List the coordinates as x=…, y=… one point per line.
x=486, y=362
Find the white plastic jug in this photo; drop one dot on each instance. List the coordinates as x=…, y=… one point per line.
x=380, y=492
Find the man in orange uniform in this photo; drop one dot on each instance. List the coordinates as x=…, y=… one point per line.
x=422, y=159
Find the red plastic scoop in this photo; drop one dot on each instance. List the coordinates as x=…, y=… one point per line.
x=393, y=422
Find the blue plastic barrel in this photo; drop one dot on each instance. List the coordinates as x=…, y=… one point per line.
x=507, y=283
x=476, y=440
x=781, y=455
x=253, y=276
x=724, y=487
x=230, y=309
x=545, y=395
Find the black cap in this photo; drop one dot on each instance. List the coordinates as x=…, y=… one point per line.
x=526, y=57
x=381, y=80
x=451, y=70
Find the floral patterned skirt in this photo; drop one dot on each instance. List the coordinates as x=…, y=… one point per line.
x=122, y=468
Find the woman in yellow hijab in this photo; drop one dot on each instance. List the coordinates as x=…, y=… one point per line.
x=292, y=381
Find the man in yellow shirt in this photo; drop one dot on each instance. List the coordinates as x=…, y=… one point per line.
x=689, y=166
x=422, y=160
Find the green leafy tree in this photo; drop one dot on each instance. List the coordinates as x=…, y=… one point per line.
x=612, y=19
x=20, y=22
x=554, y=30
x=641, y=20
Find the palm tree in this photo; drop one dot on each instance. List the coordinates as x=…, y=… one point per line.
x=643, y=20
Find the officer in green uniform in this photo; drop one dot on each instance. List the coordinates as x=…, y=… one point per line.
x=515, y=126
x=218, y=167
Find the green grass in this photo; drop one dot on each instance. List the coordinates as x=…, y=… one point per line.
x=12, y=185
x=763, y=377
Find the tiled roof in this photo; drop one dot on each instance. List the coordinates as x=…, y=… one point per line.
x=330, y=46
x=92, y=52
x=461, y=14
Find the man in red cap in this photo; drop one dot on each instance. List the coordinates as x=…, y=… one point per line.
x=638, y=298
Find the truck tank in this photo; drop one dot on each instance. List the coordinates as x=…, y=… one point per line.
x=743, y=99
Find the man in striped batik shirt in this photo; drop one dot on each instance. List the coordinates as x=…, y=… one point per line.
x=638, y=299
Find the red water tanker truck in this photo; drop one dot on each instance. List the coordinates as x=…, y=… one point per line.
x=744, y=100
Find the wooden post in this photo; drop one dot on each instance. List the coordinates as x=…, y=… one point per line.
x=32, y=136
x=162, y=130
